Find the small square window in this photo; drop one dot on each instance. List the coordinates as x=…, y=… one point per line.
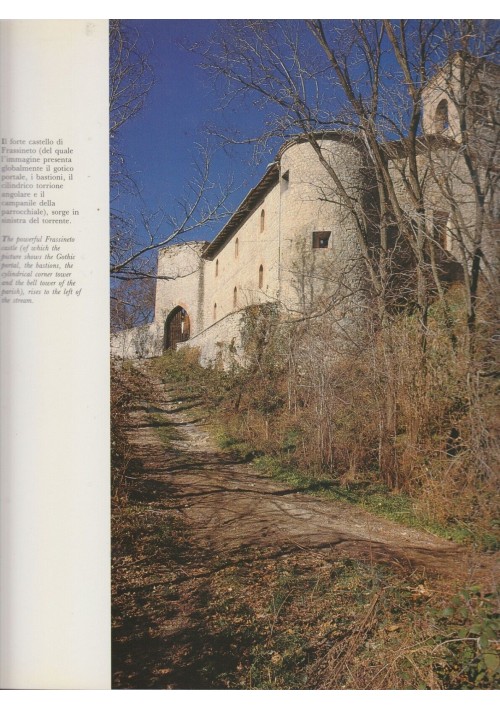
x=321, y=239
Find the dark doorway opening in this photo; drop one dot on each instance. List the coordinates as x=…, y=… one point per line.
x=176, y=328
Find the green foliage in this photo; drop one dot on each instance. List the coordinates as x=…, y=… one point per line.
x=471, y=641
x=242, y=450
x=295, y=620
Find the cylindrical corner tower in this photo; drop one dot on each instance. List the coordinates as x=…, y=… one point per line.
x=319, y=245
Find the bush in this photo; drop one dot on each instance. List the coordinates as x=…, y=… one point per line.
x=376, y=409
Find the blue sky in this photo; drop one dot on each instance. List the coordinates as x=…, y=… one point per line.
x=160, y=143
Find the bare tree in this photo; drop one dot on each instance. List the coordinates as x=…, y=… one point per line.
x=466, y=175
x=140, y=235
x=431, y=212
x=130, y=81
x=137, y=229
x=132, y=303
x=366, y=78
x=130, y=75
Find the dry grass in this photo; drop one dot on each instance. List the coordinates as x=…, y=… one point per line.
x=422, y=423
x=186, y=619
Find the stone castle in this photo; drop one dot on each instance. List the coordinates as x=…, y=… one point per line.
x=292, y=241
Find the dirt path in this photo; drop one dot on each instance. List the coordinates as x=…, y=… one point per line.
x=229, y=506
x=235, y=526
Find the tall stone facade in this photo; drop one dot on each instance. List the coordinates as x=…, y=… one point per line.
x=293, y=242
x=286, y=243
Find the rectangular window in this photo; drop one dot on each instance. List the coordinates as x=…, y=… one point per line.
x=321, y=239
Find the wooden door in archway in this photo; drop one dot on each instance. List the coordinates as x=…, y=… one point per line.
x=177, y=328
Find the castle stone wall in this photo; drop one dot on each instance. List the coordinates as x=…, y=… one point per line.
x=271, y=256
x=237, y=264
x=220, y=343
x=309, y=203
x=137, y=343
x=180, y=283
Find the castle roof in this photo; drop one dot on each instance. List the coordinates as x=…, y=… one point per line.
x=254, y=197
x=268, y=181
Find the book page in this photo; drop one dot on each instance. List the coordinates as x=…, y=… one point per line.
x=55, y=573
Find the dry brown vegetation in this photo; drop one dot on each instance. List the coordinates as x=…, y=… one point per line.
x=383, y=414
x=186, y=616
x=128, y=388
x=390, y=379
x=390, y=403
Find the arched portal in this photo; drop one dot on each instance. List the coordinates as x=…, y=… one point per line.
x=441, y=119
x=177, y=328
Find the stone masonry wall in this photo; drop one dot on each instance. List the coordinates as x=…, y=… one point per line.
x=271, y=257
x=220, y=343
x=137, y=343
x=237, y=264
x=310, y=276
x=180, y=271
